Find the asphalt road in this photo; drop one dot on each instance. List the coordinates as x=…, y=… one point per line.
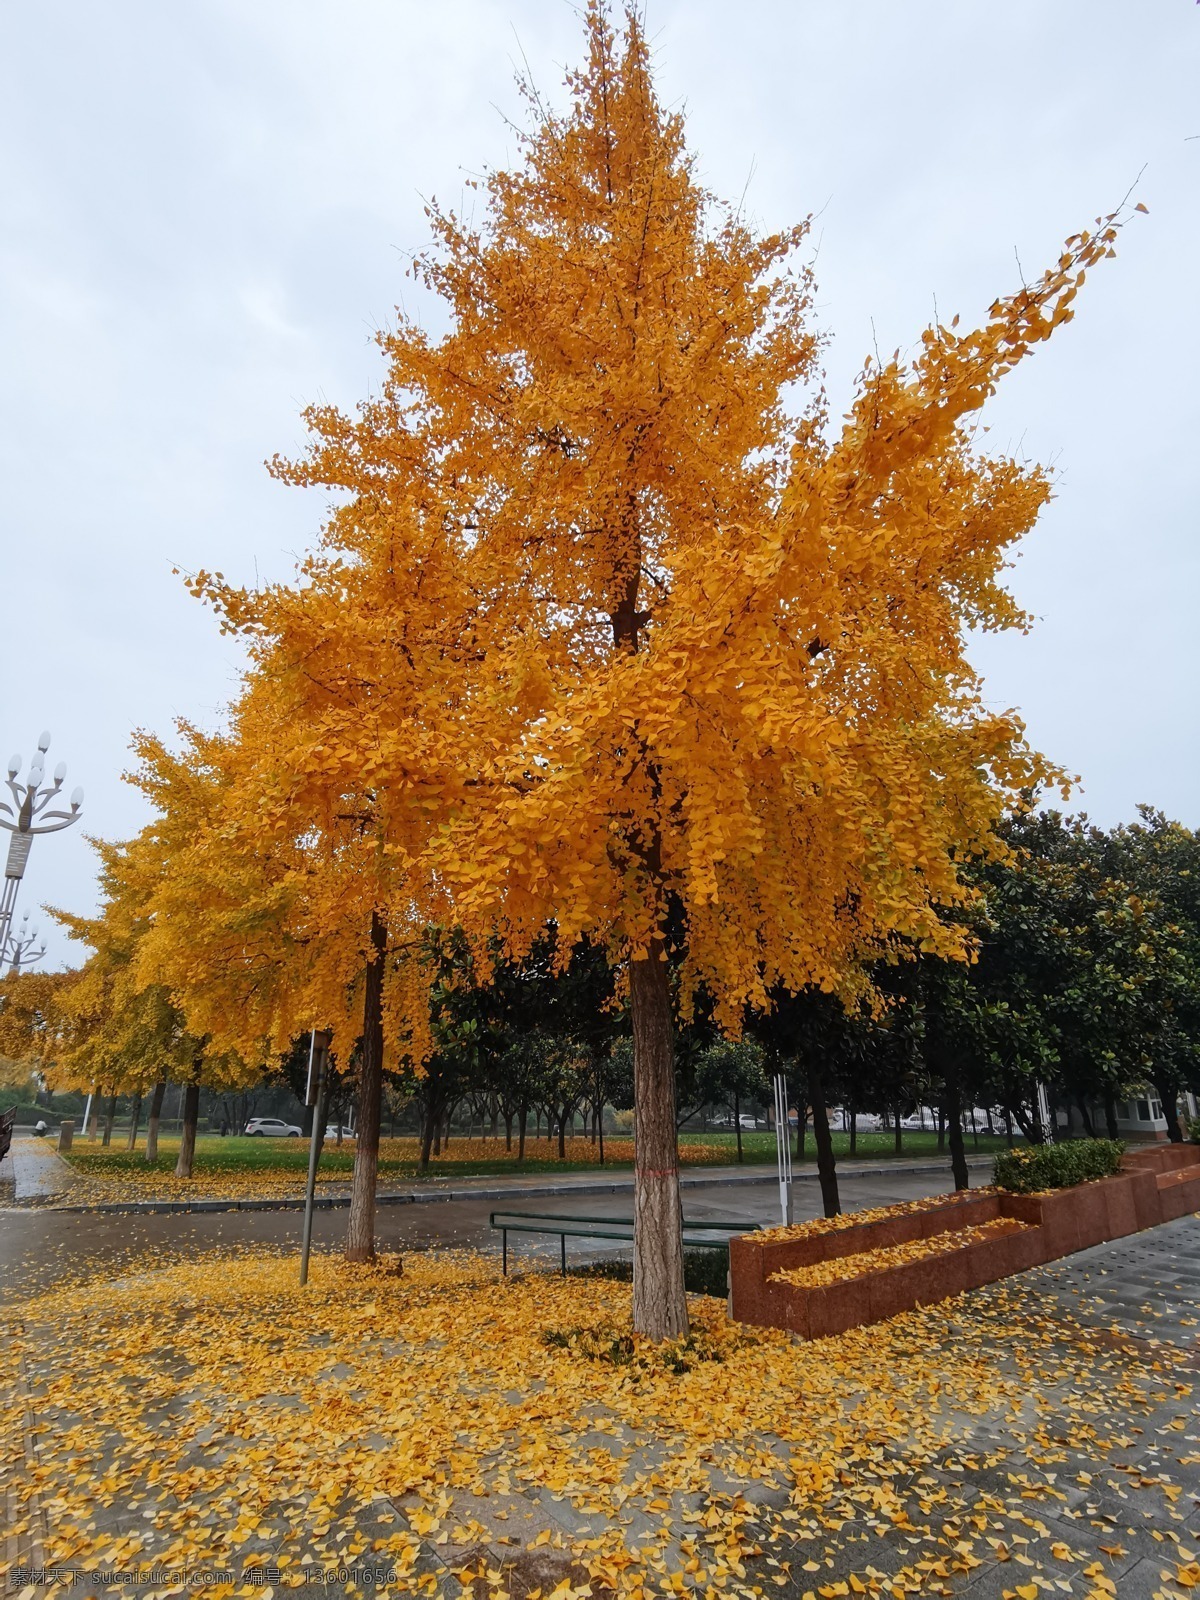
x=39, y=1247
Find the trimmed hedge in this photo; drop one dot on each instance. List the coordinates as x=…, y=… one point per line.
x=1031, y=1168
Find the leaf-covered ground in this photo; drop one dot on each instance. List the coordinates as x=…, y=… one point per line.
x=458, y=1433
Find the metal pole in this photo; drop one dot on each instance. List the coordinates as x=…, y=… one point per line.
x=315, y=1094
x=783, y=1149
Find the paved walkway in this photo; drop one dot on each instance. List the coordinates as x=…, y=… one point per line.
x=45, y=1244
x=498, y=1186
x=37, y=1171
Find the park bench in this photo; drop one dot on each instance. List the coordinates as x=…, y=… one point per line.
x=707, y=1235
x=7, y=1121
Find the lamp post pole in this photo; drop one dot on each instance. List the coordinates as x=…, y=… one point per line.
x=30, y=812
x=18, y=947
x=315, y=1096
x=783, y=1149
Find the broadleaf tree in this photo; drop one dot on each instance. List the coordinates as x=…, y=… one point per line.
x=631, y=642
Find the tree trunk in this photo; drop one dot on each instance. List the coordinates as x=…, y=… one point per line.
x=659, y=1301
x=109, y=1114
x=1035, y=1132
x=508, y=1130
x=826, y=1161
x=898, y=1144
x=941, y=1130
x=737, y=1122
x=360, y=1229
x=1085, y=1116
x=1110, y=1114
x=522, y=1123
x=429, y=1124
x=562, y=1135
x=135, y=1117
x=156, y=1105
x=958, y=1153
x=853, y=1128
x=187, y=1131
x=1168, y=1094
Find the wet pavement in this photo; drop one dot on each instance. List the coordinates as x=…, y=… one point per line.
x=41, y=1246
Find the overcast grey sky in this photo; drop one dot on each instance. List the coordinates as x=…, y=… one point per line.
x=206, y=207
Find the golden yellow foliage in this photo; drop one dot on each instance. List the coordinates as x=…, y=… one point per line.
x=118, y=1028
x=601, y=622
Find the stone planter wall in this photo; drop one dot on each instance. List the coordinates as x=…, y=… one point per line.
x=1155, y=1185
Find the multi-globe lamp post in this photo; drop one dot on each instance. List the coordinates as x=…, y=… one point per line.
x=31, y=810
x=21, y=949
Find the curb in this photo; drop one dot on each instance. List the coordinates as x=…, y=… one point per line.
x=507, y=1191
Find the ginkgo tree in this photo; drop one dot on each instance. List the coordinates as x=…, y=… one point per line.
x=121, y=1028
x=619, y=638
x=277, y=912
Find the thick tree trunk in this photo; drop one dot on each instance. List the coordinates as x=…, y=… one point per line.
x=156, y=1105
x=360, y=1229
x=562, y=1136
x=187, y=1132
x=853, y=1129
x=1110, y=1114
x=958, y=1153
x=135, y=1117
x=659, y=1301
x=109, y=1114
x=823, y=1139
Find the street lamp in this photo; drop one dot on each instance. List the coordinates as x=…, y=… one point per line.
x=19, y=947
x=29, y=813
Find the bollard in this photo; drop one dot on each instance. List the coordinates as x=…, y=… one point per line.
x=66, y=1132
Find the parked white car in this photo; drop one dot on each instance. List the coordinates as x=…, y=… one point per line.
x=271, y=1128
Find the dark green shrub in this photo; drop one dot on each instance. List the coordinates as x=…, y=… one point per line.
x=704, y=1271
x=1033, y=1167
